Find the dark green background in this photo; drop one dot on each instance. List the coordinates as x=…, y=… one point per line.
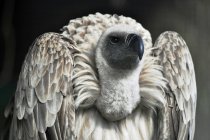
x=22, y=21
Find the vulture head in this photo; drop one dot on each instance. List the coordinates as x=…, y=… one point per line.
x=121, y=47
x=119, y=55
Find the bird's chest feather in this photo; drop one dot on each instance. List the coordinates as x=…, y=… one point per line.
x=139, y=125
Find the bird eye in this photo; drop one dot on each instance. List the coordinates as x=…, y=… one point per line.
x=114, y=39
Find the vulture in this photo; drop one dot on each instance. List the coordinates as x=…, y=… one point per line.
x=101, y=78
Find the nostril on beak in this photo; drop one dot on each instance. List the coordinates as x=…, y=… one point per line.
x=130, y=38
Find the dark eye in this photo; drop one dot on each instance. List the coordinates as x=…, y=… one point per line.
x=114, y=39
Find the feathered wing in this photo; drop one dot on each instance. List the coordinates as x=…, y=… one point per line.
x=43, y=102
x=178, y=69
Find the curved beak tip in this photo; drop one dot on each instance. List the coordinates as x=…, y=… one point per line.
x=141, y=48
x=136, y=42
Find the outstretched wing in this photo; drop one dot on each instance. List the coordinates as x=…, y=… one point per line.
x=43, y=102
x=178, y=70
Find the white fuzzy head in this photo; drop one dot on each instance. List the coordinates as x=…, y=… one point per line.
x=119, y=57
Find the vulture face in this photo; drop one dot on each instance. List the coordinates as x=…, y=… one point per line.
x=119, y=54
x=122, y=49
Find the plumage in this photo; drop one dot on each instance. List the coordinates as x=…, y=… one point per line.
x=102, y=78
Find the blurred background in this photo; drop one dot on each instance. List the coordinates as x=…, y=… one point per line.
x=21, y=21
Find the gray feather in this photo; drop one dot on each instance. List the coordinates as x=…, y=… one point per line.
x=178, y=69
x=53, y=106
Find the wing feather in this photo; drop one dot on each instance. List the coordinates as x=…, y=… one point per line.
x=44, y=86
x=178, y=69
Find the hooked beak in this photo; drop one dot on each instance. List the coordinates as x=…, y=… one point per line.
x=135, y=42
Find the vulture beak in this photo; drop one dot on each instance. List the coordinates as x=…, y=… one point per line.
x=135, y=42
